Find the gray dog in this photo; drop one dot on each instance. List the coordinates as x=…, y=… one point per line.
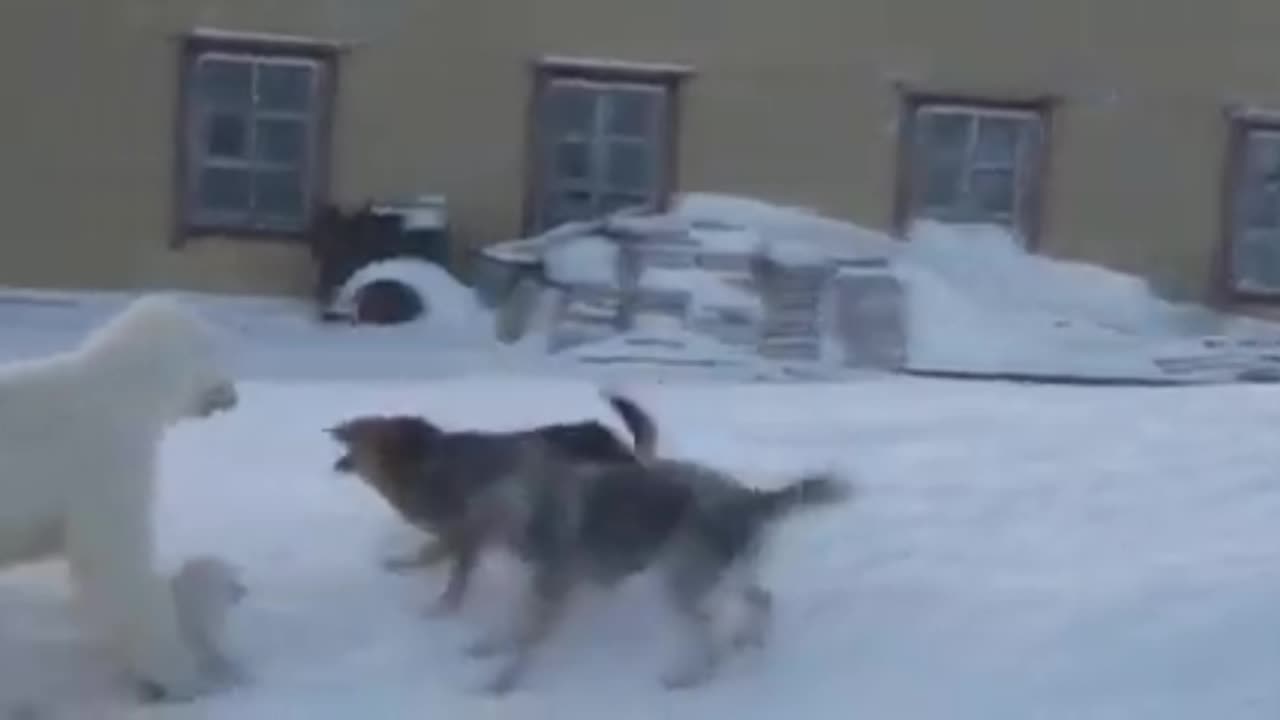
x=699, y=528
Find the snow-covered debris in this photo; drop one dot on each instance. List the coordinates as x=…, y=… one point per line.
x=589, y=259
x=705, y=289
x=971, y=298
x=835, y=239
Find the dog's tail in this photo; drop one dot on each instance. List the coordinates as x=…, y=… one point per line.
x=644, y=431
x=810, y=491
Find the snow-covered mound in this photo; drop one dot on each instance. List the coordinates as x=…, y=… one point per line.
x=974, y=301
x=449, y=306
x=785, y=229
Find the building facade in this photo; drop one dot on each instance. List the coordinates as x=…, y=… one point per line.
x=188, y=143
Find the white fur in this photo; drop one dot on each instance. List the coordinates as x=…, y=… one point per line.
x=205, y=589
x=79, y=435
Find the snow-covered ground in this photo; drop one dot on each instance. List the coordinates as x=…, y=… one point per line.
x=1016, y=552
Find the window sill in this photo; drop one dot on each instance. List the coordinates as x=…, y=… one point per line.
x=235, y=233
x=1241, y=296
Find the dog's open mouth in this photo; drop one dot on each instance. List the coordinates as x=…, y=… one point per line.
x=344, y=463
x=221, y=398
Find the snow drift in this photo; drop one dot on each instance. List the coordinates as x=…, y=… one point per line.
x=975, y=300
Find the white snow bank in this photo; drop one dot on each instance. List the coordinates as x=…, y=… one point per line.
x=589, y=259
x=775, y=224
x=995, y=272
x=976, y=301
x=449, y=303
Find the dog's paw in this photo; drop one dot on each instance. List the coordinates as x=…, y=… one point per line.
x=690, y=674
x=507, y=678
x=227, y=673
x=488, y=647
x=502, y=684
x=752, y=637
x=399, y=565
x=153, y=693
x=440, y=609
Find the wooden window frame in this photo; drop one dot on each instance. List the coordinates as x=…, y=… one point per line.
x=1225, y=287
x=1032, y=210
x=667, y=79
x=324, y=56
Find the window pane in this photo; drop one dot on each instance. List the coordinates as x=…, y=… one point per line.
x=226, y=136
x=1256, y=260
x=1263, y=156
x=1260, y=185
x=284, y=87
x=572, y=161
x=632, y=112
x=992, y=192
x=279, y=194
x=1261, y=206
x=944, y=133
x=940, y=182
x=224, y=82
x=997, y=142
x=614, y=202
x=224, y=190
x=281, y=141
x=630, y=165
x=570, y=110
x=941, y=144
x=567, y=206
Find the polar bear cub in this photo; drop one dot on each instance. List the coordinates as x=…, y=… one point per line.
x=205, y=588
x=80, y=433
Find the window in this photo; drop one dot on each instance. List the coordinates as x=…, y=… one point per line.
x=254, y=136
x=973, y=163
x=603, y=141
x=1254, y=257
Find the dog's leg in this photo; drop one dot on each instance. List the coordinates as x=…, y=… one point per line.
x=688, y=589
x=758, y=600
x=759, y=620
x=466, y=554
x=542, y=613
x=432, y=552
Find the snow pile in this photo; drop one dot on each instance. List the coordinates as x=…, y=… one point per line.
x=662, y=341
x=449, y=305
x=589, y=259
x=705, y=289
x=995, y=272
x=790, y=230
x=975, y=300
x=978, y=303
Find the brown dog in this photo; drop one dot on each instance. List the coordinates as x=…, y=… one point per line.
x=467, y=488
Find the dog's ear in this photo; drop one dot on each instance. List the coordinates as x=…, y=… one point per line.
x=411, y=436
x=341, y=432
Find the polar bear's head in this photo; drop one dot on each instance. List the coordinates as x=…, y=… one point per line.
x=163, y=358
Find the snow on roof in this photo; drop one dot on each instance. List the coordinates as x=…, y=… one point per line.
x=223, y=34
x=590, y=63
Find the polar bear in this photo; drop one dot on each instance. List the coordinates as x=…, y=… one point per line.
x=79, y=438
